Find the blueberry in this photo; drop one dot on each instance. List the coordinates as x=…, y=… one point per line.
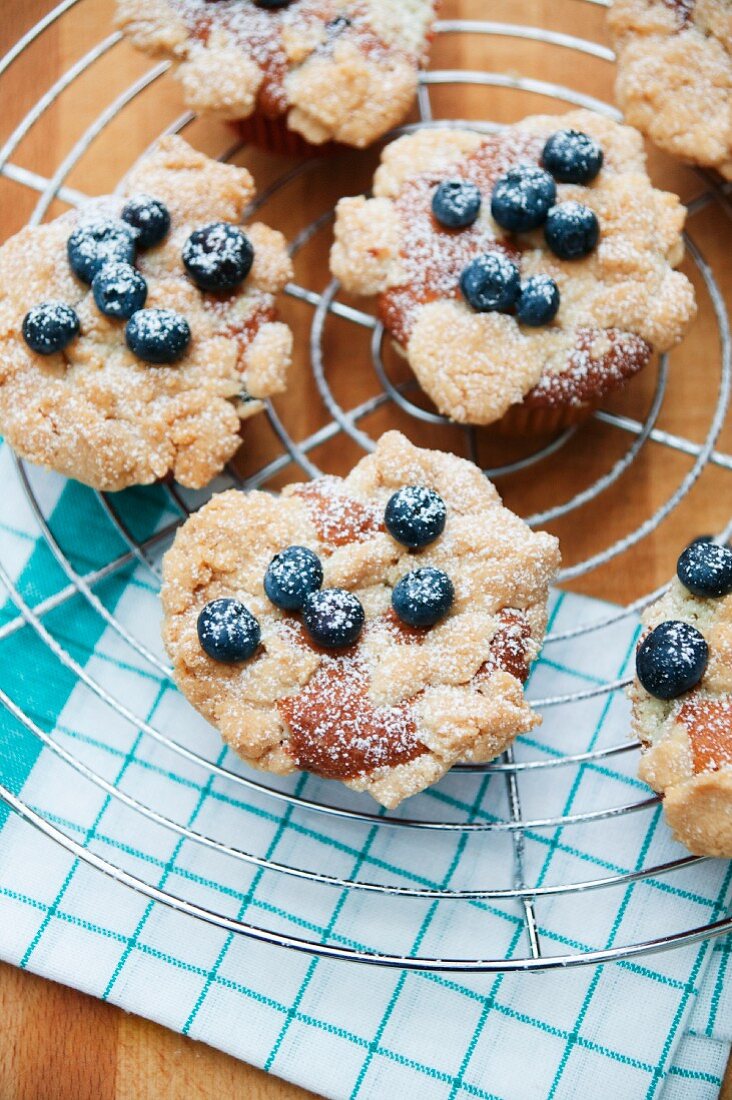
x=338, y=25
x=706, y=569
x=291, y=576
x=456, y=203
x=119, y=290
x=672, y=659
x=157, y=335
x=49, y=327
x=271, y=5
x=227, y=631
x=572, y=230
x=423, y=597
x=415, y=516
x=522, y=198
x=539, y=301
x=149, y=217
x=572, y=157
x=96, y=243
x=333, y=617
x=218, y=257
x=491, y=282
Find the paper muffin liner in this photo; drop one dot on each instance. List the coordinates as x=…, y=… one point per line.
x=528, y=418
x=525, y=420
x=275, y=136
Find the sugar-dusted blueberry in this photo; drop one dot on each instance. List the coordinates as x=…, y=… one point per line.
x=423, y=597
x=149, y=216
x=491, y=282
x=119, y=290
x=228, y=631
x=522, y=198
x=572, y=156
x=572, y=230
x=671, y=659
x=291, y=577
x=49, y=327
x=218, y=257
x=705, y=568
x=415, y=516
x=97, y=242
x=456, y=203
x=337, y=26
x=539, y=301
x=158, y=335
x=333, y=617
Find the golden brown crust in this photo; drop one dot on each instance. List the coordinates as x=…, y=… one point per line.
x=616, y=304
x=699, y=811
x=460, y=709
x=687, y=742
x=97, y=413
x=675, y=76
x=343, y=71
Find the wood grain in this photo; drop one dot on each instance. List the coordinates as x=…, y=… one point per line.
x=58, y=1044
x=55, y=1043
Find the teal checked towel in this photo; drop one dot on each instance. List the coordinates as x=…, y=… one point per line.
x=656, y=1025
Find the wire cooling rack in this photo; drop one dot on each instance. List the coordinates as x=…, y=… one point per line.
x=346, y=427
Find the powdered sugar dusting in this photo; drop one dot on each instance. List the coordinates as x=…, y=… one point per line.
x=222, y=246
x=687, y=741
x=433, y=257
x=335, y=730
x=338, y=518
x=509, y=646
x=96, y=412
x=392, y=712
x=674, y=77
x=709, y=724
x=616, y=303
x=600, y=362
x=264, y=34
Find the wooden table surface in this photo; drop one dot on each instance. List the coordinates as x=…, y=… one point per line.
x=57, y=1044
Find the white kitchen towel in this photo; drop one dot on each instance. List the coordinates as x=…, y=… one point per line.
x=633, y=1028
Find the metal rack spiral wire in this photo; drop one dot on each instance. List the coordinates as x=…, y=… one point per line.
x=347, y=423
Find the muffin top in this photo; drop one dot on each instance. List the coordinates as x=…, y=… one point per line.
x=533, y=265
x=682, y=699
x=675, y=75
x=343, y=70
x=396, y=645
x=137, y=332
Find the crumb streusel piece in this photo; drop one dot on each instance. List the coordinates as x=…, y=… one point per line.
x=675, y=75
x=391, y=712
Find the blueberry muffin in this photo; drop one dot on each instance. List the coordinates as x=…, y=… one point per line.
x=374, y=629
x=138, y=332
x=682, y=699
x=326, y=70
x=675, y=75
x=525, y=274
